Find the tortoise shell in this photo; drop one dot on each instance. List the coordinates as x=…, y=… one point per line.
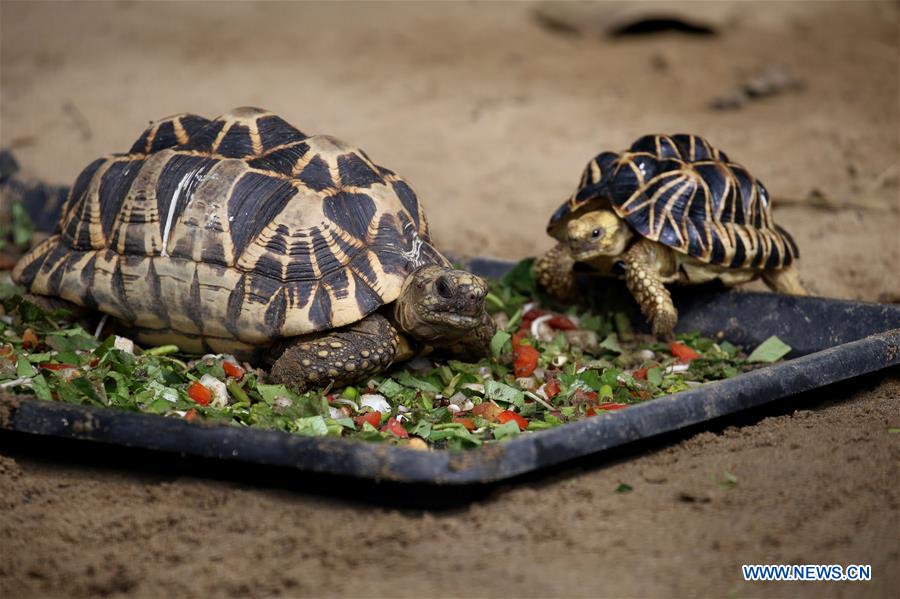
x=680, y=191
x=231, y=233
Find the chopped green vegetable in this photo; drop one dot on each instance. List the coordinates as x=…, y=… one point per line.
x=449, y=404
x=509, y=429
x=770, y=350
x=728, y=480
x=501, y=338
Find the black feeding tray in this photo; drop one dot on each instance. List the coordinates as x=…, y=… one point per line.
x=832, y=340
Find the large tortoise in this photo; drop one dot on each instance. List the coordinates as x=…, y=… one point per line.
x=243, y=235
x=669, y=209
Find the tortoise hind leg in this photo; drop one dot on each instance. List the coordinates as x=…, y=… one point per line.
x=643, y=262
x=785, y=280
x=341, y=356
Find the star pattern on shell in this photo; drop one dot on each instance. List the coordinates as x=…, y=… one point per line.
x=233, y=232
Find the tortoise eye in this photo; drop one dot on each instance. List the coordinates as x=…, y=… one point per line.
x=443, y=288
x=597, y=233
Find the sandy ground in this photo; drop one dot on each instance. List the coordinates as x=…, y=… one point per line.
x=492, y=117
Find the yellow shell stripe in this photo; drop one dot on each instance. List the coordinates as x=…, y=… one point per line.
x=760, y=241
x=724, y=235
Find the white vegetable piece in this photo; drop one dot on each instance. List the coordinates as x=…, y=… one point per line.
x=347, y=402
x=124, y=344
x=646, y=354
x=376, y=402
x=526, y=382
x=540, y=329
x=218, y=388
x=460, y=402
x=283, y=402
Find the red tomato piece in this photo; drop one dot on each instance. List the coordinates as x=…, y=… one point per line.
x=517, y=338
x=561, y=323
x=526, y=360
x=605, y=407
x=507, y=415
x=373, y=418
x=582, y=397
x=46, y=366
x=682, y=351
x=487, y=410
x=640, y=373
x=190, y=414
x=466, y=422
x=233, y=370
x=551, y=388
x=533, y=313
x=395, y=428
x=640, y=394
x=6, y=353
x=29, y=339
x=200, y=393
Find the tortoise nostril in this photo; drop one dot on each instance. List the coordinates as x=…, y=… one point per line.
x=443, y=288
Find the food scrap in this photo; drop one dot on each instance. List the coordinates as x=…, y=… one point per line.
x=547, y=368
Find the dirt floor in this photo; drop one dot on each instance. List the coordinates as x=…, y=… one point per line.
x=492, y=115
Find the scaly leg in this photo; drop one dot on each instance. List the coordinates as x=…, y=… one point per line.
x=785, y=280
x=341, y=356
x=642, y=276
x=553, y=272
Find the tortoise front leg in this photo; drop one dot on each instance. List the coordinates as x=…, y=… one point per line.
x=341, y=356
x=785, y=280
x=643, y=262
x=553, y=271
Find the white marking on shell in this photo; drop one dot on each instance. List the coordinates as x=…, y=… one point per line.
x=414, y=254
x=175, y=196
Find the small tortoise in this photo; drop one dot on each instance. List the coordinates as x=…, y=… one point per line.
x=243, y=235
x=670, y=209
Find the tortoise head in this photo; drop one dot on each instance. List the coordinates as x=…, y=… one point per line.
x=439, y=304
x=597, y=233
